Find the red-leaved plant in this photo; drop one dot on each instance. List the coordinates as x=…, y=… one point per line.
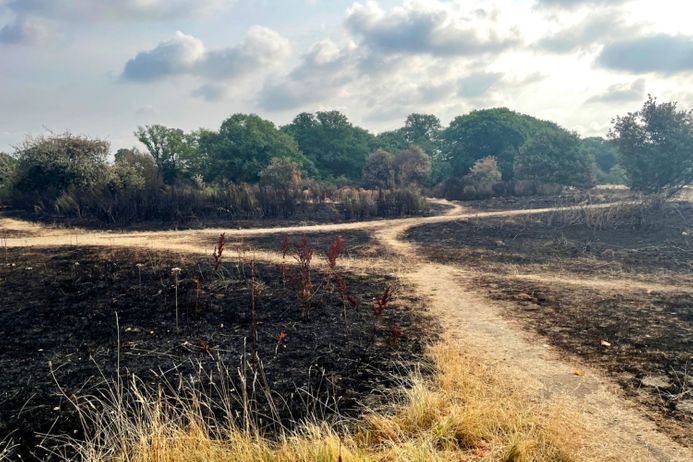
x=219, y=251
x=379, y=306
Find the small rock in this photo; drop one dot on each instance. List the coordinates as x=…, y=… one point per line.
x=605, y=343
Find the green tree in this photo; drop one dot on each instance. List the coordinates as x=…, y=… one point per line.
x=335, y=146
x=554, y=156
x=379, y=170
x=656, y=147
x=244, y=146
x=423, y=130
x=141, y=164
x=497, y=132
x=50, y=166
x=174, y=152
x=8, y=166
x=605, y=153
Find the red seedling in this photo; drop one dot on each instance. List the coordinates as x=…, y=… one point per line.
x=353, y=302
x=381, y=303
x=204, y=345
x=396, y=333
x=280, y=336
x=285, y=245
x=219, y=250
x=334, y=251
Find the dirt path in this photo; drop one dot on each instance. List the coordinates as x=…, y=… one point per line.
x=466, y=313
x=474, y=321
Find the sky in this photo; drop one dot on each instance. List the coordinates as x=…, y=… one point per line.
x=102, y=67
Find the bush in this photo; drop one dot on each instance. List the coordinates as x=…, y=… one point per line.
x=8, y=166
x=482, y=177
x=379, y=171
x=555, y=157
x=412, y=167
x=49, y=167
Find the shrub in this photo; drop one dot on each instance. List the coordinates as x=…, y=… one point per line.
x=412, y=167
x=281, y=173
x=49, y=167
x=481, y=178
x=379, y=171
x=554, y=156
x=8, y=166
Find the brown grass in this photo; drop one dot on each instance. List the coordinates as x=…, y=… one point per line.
x=465, y=411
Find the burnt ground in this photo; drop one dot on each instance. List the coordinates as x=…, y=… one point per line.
x=59, y=305
x=568, y=198
x=648, y=333
x=357, y=243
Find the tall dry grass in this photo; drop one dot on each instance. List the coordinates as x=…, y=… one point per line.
x=463, y=411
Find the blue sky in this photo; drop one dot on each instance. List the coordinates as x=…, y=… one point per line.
x=102, y=67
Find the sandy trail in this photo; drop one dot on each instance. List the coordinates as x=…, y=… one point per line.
x=471, y=318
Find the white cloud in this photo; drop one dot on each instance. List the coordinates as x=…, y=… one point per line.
x=621, y=93
x=22, y=31
x=112, y=9
x=185, y=54
x=430, y=27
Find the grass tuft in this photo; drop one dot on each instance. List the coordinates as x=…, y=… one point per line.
x=463, y=411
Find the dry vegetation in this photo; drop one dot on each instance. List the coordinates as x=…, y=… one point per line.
x=611, y=285
x=465, y=411
x=305, y=358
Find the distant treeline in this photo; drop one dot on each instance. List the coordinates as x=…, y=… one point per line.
x=251, y=168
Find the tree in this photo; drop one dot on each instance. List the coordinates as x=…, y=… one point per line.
x=244, y=146
x=482, y=177
x=605, y=153
x=172, y=149
x=281, y=173
x=379, y=170
x=50, y=166
x=8, y=166
x=423, y=130
x=656, y=147
x=142, y=164
x=553, y=156
x=497, y=132
x=335, y=146
x=412, y=167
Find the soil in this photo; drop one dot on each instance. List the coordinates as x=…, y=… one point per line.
x=592, y=292
x=356, y=243
x=593, y=196
x=59, y=307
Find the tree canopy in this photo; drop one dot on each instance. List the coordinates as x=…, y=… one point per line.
x=555, y=156
x=335, y=146
x=8, y=165
x=656, y=146
x=49, y=166
x=174, y=152
x=244, y=146
x=497, y=132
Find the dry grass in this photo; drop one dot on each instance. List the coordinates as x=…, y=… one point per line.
x=465, y=411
